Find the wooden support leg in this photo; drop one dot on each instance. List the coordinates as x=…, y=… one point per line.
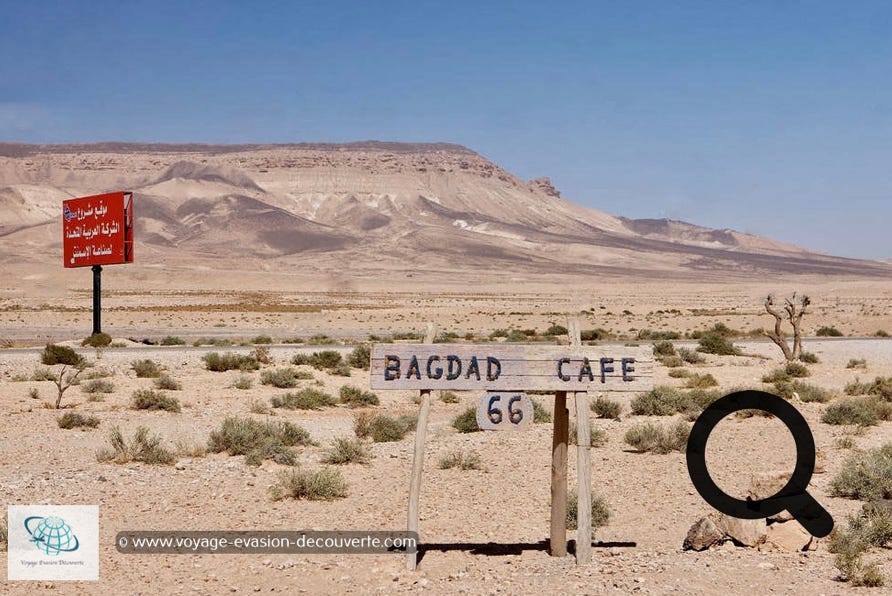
x=558, y=534
x=417, y=466
x=583, y=475
x=418, y=458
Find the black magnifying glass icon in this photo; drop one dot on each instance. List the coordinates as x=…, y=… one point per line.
x=793, y=497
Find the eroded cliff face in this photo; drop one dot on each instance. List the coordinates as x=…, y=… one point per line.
x=365, y=209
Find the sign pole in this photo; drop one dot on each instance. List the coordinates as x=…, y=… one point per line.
x=583, y=464
x=558, y=535
x=418, y=459
x=97, y=299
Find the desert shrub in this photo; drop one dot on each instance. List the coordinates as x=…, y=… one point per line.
x=261, y=355
x=606, y=408
x=593, y=334
x=216, y=362
x=143, y=447
x=696, y=381
x=98, y=386
x=42, y=374
x=657, y=438
x=600, y=512
x=381, y=428
x=262, y=339
x=305, y=399
x=243, y=382
x=714, y=343
x=356, y=397
x=871, y=527
x=778, y=375
x=556, y=330
x=881, y=333
x=466, y=422
x=172, y=340
x=679, y=373
x=851, y=411
x=880, y=387
x=360, y=357
x=664, y=348
x=324, y=484
x=808, y=358
x=258, y=440
x=33, y=393
x=167, y=382
x=345, y=450
x=828, y=331
x=146, y=369
x=74, y=420
x=597, y=436
x=690, y=356
x=796, y=370
x=4, y=536
x=515, y=335
x=97, y=340
x=866, y=476
x=448, y=397
x=56, y=354
x=281, y=378
x=697, y=400
x=806, y=391
x=857, y=363
x=463, y=460
x=659, y=401
x=541, y=415
x=149, y=399
x=324, y=360
x=259, y=407
x=671, y=361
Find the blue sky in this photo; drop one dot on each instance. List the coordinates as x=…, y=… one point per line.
x=773, y=118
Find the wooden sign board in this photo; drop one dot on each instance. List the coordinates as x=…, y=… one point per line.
x=508, y=410
x=500, y=367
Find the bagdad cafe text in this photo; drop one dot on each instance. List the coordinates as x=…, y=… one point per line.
x=511, y=367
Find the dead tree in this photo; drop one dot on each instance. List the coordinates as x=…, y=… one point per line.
x=65, y=381
x=792, y=312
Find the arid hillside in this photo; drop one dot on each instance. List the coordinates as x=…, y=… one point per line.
x=365, y=210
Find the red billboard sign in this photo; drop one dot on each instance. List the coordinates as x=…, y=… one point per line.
x=98, y=230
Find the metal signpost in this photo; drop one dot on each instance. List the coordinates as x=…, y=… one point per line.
x=504, y=372
x=97, y=231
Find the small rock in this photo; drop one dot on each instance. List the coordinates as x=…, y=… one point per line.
x=748, y=532
x=789, y=536
x=767, y=566
x=614, y=551
x=702, y=535
x=180, y=465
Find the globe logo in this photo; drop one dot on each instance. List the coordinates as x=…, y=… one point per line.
x=51, y=535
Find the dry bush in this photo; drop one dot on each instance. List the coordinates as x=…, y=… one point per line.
x=463, y=460
x=657, y=438
x=345, y=450
x=357, y=398
x=866, y=476
x=167, y=382
x=281, y=378
x=149, y=399
x=382, y=428
x=146, y=369
x=70, y=420
x=325, y=484
x=305, y=399
x=143, y=448
x=600, y=512
x=229, y=361
x=606, y=408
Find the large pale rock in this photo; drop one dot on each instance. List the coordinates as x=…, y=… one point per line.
x=748, y=532
x=789, y=536
x=766, y=485
x=703, y=534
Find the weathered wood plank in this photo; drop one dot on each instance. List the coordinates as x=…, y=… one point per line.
x=558, y=528
x=418, y=459
x=584, y=480
x=504, y=410
x=511, y=368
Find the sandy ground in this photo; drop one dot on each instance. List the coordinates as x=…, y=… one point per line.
x=484, y=530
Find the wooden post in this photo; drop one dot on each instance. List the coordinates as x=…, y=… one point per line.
x=583, y=464
x=418, y=458
x=558, y=534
